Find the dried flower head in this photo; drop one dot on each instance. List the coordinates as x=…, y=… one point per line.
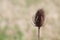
x=39, y=18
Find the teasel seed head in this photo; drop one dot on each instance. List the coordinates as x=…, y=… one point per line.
x=39, y=18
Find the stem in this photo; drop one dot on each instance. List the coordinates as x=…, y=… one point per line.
x=38, y=33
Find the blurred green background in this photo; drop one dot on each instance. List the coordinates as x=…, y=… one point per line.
x=16, y=19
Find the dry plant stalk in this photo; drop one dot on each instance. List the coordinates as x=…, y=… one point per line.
x=39, y=20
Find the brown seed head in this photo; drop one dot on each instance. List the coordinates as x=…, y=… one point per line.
x=39, y=18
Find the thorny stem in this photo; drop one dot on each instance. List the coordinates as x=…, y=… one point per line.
x=38, y=33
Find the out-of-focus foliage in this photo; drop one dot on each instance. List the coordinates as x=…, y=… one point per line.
x=18, y=35
x=31, y=2
x=34, y=37
x=3, y=35
x=18, y=32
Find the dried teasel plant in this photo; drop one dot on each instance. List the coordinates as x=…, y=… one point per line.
x=39, y=20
